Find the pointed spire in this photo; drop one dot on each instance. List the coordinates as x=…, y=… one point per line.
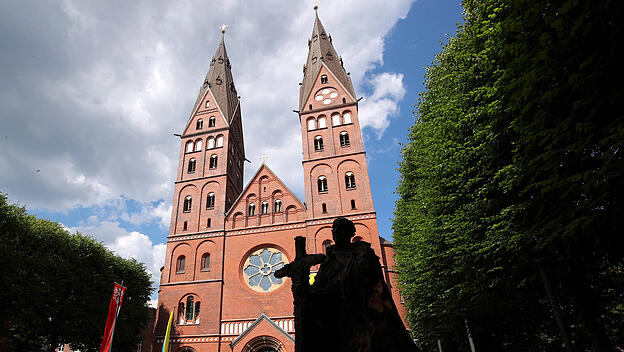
x=321, y=51
x=220, y=82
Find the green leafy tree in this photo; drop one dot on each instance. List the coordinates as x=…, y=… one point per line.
x=57, y=286
x=513, y=163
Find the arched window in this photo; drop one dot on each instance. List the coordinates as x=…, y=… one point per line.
x=252, y=209
x=350, y=180
x=199, y=124
x=322, y=184
x=352, y=203
x=324, y=208
x=198, y=145
x=210, y=200
x=205, y=262
x=180, y=264
x=189, y=146
x=212, y=121
x=191, y=309
x=188, y=201
x=311, y=124
x=324, y=79
x=191, y=165
x=277, y=207
x=265, y=207
x=322, y=123
x=207, y=103
x=213, y=161
x=344, y=139
x=335, y=119
x=318, y=143
x=356, y=239
x=220, y=141
x=346, y=117
x=326, y=244
x=211, y=143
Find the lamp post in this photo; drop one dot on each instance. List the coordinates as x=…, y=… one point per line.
x=464, y=313
x=436, y=334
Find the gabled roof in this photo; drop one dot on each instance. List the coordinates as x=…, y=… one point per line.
x=254, y=324
x=322, y=52
x=221, y=84
x=255, y=177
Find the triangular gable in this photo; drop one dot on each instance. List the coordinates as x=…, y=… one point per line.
x=200, y=111
x=262, y=170
x=262, y=325
x=333, y=82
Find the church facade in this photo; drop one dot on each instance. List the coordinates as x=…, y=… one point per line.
x=226, y=241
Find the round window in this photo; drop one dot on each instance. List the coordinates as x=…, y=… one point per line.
x=259, y=269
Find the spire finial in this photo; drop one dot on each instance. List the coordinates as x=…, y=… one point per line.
x=264, y=158
x=223, y=27
x=315, y=5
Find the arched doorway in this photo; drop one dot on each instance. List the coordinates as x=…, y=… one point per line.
x=264, y=344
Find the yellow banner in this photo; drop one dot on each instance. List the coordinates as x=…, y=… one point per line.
x=167, y=334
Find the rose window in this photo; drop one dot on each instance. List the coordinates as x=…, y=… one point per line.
x=326, y=95
x=259, y=269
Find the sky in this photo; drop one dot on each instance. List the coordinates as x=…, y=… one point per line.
x=93, y=91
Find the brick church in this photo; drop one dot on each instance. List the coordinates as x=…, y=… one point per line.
x=227, y=240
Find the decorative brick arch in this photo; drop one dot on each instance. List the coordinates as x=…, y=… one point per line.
x=260, y=342
x=186, y=250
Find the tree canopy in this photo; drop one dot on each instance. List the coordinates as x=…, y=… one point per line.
x=57, y=287
x=514, y=163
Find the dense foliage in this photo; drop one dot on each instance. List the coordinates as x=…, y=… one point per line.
x=57, y=286
x=515, y=164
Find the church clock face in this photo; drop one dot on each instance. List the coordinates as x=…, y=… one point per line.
x=259, y=269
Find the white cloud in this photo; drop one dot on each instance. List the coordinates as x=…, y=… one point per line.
x=376, y=110
x=92, y=93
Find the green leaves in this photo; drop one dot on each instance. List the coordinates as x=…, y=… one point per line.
x=514, y=156
x=58, y=286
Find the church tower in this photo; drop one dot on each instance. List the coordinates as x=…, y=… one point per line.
x=334, y=161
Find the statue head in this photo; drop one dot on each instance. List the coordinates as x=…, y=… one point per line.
x=342, y=231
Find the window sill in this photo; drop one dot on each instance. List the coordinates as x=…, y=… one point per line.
x=205, y=270
x=345, y=146
x=323, y=192
x=319, y=150
x=351, y=188
x=179, y=272
x=209, y=208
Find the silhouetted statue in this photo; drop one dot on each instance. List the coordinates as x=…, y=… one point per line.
x=349, y=307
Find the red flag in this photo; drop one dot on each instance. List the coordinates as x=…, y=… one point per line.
x=113, y=311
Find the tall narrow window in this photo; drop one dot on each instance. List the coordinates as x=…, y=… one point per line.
x=208, y=222
x=189, y=146
x=199, y=124
x=198, y=145
x=180, y=264
x=318, y=143
x=346, y=117
x=191, y=165
x=211, y=143
x=213, y=161
x=220, y=141
x=252, y=209
x=212, y=121
x=185, y=226
x=335, y=119
x=324, y=79
x=322, y=123
x=322, y=184
x=350, y=180
x=265, y=207
x=311, y=124
x=188, y=201
x=324, y=208
x=277, y=207
x=210, y=200
x=344, y=100
x=205, y=262
x=207, y=103
x=190, y=305
x=352, y=203
x=344, y=139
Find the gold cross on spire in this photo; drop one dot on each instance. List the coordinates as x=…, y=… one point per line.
x=264, y=158
x=223, y=27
